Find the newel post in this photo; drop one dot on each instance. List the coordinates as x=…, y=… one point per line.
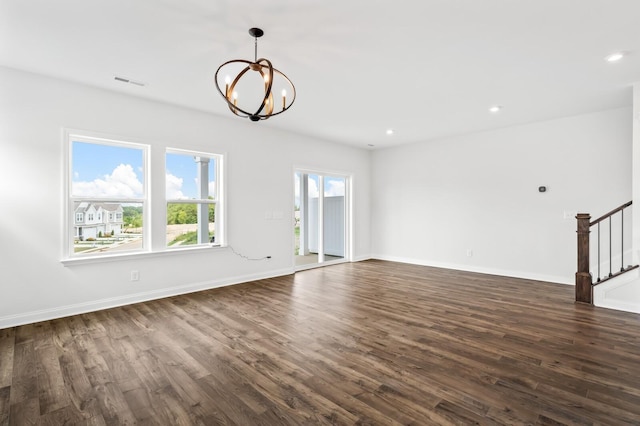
x=584, y=289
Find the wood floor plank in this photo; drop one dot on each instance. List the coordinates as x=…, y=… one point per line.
x=7, y=348
x=77, y=384
x=25, y=412
x=24, y=384
x=371, y=342
x=52, y=390
x=5, y=405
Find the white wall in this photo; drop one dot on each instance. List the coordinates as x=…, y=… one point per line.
x=424, y=203
x=34, y=285
x=623, y=293
x=433, y=201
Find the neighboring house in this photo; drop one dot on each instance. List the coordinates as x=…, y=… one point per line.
x=91, y=219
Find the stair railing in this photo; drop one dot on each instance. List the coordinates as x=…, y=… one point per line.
x=584, y=277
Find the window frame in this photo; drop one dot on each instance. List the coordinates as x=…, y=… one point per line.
x=69, y=138
x=215, y=201
x=154, y=195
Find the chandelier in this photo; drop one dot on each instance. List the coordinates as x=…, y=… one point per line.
x=254, y=91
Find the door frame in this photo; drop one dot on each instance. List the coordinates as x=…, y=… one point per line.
x=348, y=216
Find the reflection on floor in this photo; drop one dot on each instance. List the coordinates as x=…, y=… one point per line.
x=313, y=258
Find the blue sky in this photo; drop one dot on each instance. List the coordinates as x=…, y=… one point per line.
x=182, y=176
x=106, y=171
x=93, y=161
x=117, y=172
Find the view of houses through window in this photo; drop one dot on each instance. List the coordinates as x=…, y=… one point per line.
x=108, y=197
x=101, y=227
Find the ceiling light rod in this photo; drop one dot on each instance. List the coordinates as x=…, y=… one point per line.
x=255, y=33
x=267, y=72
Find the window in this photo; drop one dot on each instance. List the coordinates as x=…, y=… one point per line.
x=106, y=176
x=192, y=191
x=109, y=188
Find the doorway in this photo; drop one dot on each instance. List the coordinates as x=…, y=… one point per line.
x=321, y=218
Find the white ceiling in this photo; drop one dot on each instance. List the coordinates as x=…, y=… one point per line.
x=426, y=68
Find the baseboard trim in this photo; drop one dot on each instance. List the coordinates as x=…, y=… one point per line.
x=361, y=258
x=98, y=305
x=481, y=270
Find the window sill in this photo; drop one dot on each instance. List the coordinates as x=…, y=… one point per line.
x=75, y=261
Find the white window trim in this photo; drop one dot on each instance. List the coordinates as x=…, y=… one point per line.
x=70, y=135
x=148, y=250
x=217, y=200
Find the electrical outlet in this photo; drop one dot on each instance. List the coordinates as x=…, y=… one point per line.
x=135, y=276
x=469, y=253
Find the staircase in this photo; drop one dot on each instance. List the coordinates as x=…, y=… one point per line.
x=607, y=253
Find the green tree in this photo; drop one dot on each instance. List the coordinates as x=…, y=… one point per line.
x=132, y=216
x=185, y=213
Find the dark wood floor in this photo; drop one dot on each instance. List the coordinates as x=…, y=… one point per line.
x=366, y=343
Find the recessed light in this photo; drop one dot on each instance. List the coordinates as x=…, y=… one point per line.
x=495, y=109
x=615, y=57
x=390, y=132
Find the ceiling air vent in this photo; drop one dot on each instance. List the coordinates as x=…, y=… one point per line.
x=126, y=80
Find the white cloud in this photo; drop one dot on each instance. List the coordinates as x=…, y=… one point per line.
x=313, y=189
x=336, y=188
x=121, y=183
x=174, y=187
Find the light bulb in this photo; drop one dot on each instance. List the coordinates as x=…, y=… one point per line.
x=284, y=93
x=227, y=80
